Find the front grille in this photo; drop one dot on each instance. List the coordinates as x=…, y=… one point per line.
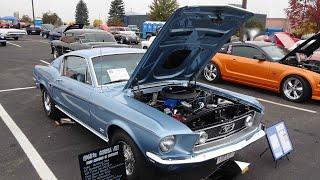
x=225, y=129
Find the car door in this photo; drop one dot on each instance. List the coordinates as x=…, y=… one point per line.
x=74, y=87
x=248, y=64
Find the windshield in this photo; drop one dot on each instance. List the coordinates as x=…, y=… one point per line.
x=96, y=37
x=276, y=53
x=115, y=68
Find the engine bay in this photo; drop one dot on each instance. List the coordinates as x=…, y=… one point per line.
x=301, y=61
x=193, y=106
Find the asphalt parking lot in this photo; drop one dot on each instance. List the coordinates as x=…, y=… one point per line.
x=59, y=146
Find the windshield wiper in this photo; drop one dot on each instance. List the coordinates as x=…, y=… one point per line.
x=120, y=80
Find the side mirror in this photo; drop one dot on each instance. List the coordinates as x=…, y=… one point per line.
x=259, y=57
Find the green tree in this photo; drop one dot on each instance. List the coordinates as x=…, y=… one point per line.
x=252, y=23
x=116, y=13
x=26, y=18
x=51, y=18
x=161, y=10
x=82, y=14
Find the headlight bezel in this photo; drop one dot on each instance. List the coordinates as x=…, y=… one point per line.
x=203, y=137
x=167, y=143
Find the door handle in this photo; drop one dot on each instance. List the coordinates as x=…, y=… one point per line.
x=59, y=80
x=234, y=59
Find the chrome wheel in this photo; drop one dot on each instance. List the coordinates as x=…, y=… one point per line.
x=46, y=101
x=55, y=54
x=210, y=72
x=293, y=88
x=121, y=41
x=128, y=158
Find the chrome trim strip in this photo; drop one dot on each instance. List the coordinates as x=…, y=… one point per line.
x=196, y=158
x=84, y=125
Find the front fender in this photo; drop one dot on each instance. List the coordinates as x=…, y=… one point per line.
x=144, y=139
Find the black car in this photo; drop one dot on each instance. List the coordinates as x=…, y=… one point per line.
x=124, y=35
x=33, y=30
x=76, y=39
x=56, y=33
x=45, y=30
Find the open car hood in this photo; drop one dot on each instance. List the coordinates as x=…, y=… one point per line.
x=308, y=47
x=74, y=26
x=187, y=42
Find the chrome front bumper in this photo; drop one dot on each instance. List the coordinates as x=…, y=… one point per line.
x=208, y=155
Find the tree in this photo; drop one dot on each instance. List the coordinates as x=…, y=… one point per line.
x=97, y=22
x=161, y=10
x=26, y=18
x=252, y=24
x=82, y=14
x=116, y=13
x=51, y=18
x=314, y=13
x=304, y=16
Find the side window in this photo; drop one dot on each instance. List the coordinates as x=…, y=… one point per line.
x=76, y=68
x=246, y=51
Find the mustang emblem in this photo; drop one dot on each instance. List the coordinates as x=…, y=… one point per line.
x=227, y=128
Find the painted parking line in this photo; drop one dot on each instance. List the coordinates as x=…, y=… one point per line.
x=44, y=61
x=17, y=89
x=38, y=163
x=287, y=106
x=13, y=44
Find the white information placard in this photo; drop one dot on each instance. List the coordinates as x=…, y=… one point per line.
x=279, y=140
x=118, y=74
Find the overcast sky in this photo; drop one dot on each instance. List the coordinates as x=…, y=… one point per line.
x=100, y=8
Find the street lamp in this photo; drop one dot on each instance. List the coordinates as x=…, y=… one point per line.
x=34, y=25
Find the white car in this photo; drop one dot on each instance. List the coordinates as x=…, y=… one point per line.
x=146, y=44
x=3, y=40
x=13, y=33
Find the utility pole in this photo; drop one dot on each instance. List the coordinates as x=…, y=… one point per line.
x=241, y=36
x=34, y=25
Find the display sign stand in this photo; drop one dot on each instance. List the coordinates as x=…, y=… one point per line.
x=279, y=142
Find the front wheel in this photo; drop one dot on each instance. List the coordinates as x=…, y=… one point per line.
x=295, y=89
x=3, y=44
x=55, y=53
x=134, y=161
x=16, y=38
x=211, y=73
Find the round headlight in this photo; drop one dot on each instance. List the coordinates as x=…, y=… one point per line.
x=249, y=121
x=203, y=137
x=167, y=143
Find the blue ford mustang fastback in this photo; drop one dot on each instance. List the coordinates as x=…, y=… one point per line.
x=150, y=101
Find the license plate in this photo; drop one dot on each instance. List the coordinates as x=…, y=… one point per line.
x=225, y=157
x=33, y=31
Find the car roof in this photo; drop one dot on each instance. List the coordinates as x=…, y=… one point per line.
x=255, y=43
x=86, y=31
x=90, y=53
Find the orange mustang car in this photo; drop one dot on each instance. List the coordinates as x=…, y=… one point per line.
x=261, y=64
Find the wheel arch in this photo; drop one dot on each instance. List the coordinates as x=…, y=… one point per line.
x=118, y=125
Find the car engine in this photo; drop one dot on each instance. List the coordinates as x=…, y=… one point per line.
x=305, y=63
x=196, y=108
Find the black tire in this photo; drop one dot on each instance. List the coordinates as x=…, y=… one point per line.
x=145, y=47
x=52, y=112
x=214, y=70
x=121, y=41
x=55, y=53
x=3, y=44
x=16, y=38
x=302, y=89
x=120, y=137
